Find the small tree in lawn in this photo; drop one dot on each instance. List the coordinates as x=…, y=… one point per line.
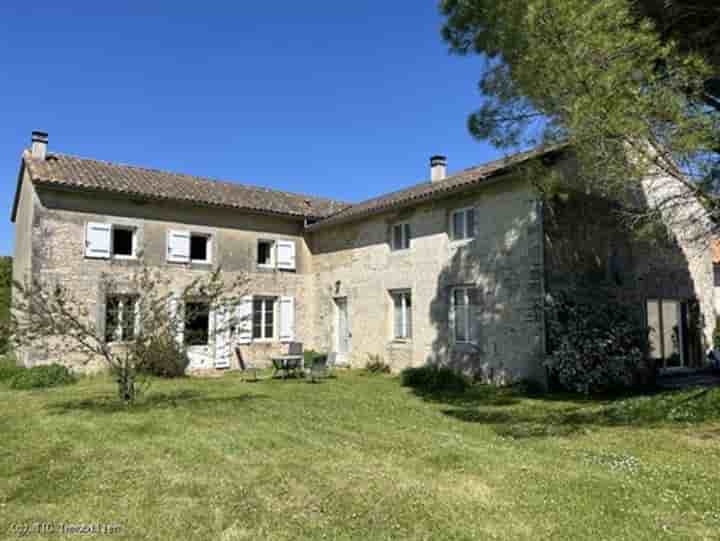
x=151, y=325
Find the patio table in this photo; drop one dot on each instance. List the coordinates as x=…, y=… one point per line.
x=284, y=364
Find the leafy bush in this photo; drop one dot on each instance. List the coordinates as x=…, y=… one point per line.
x=8, y=368
x=40, y=377
x=595, y=346
x=161, y=356
x=434, y=378
x=376, y=365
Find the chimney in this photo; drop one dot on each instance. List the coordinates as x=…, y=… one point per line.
x=438, y=168
x=39, y=144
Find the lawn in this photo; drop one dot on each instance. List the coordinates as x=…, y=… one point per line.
x=358, y=457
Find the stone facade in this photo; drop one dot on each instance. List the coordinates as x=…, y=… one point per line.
x=521, y=250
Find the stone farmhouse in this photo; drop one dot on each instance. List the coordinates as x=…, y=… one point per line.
x=451, y=270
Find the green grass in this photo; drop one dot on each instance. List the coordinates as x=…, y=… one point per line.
x=359, y=457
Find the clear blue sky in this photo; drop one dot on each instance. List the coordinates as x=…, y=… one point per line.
x=341, y=99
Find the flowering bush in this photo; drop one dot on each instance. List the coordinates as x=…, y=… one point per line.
x=595, y=346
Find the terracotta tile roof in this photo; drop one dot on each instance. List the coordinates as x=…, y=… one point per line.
x=61, y=170
x=459, y=182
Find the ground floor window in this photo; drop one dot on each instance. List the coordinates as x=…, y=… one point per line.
x=668, y=323
x=264, y=318
x=120, y=318
x=402, y=315
x=197, y=323
x=463, y=305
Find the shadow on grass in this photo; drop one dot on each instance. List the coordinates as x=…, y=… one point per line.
x=150, y=401
x=513, y=412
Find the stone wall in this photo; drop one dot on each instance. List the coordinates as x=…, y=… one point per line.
x=58, y=238
x=504, y=260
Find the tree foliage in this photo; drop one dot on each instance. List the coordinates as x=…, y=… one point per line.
x=594, y=74
x=46, y=311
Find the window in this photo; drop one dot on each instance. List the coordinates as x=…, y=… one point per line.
x=401, y=237
x=123, y=242
x=464, y=302
x=263, y=318
x=120, y=318
x=402, y=315
x=266, y=253
x=463, y=224
x=668, y=323
x=199, y=248
x=185, y=247
x=105, y=241
x=197, y=323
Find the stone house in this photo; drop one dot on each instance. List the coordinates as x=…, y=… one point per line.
x=451, y=270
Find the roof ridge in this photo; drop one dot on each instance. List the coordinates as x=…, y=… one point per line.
x=226, y=182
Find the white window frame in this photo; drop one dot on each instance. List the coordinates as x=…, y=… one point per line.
x=403, y=295
x=117, y=332
x=469, y=319
x=208, y=247
x=405, y=235
x=273, y=255
x=263, y=337
x=467, y=234
x=133, y=230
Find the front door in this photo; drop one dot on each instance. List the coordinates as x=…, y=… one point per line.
x=342, y=330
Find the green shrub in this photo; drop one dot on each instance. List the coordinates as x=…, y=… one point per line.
x=376, y=365
x=595, y=346
x=162, y=357
x=433, y=378
x=8, y=368
x=41, y=377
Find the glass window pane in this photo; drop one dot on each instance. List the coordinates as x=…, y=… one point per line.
x=128, y=318
x=397, y=319
x=653, y=320
x=257, y=318
x=408, y=316
x=407, y=236
x=122, y=241
x=397, y=237
x=470, y=223
x=671, y=332
x=269, y=318
x=112, y=319
x=459, y=225
x=461, y=324
x=459, y=297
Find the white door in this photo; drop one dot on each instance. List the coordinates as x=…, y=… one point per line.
x=342, y=330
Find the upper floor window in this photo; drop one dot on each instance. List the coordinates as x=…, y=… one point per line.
x=120, y=318
x=402, y=315
x=266, y=253
x=280, y=254
x=105, y=241
x=186, y=246
x=463, y=224
x=401, y=237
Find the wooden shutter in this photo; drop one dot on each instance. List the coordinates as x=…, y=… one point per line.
x=287, y=319
x=97, y=240
x=286, y=254
x=178, y=246
x=244, y=320
x=222, y=338
x=176, y=318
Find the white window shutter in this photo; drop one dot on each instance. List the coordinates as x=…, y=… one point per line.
x=287, y=319
x=244, y=320
x=286, y=254
x=178, y=246
x=97, y=240
x=222, y=338
x=176, y=319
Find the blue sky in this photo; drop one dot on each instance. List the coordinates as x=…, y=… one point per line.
x=341, y=99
